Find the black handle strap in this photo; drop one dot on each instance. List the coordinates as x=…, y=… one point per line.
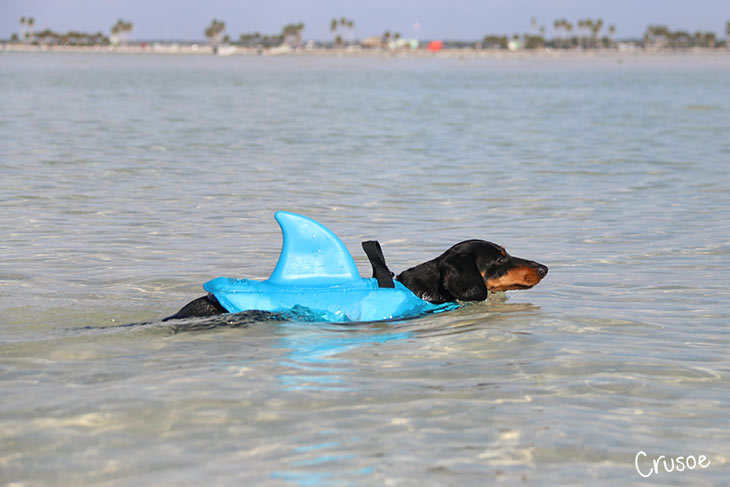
x=377, y=260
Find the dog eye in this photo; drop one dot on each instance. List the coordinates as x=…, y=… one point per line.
x=501, y=260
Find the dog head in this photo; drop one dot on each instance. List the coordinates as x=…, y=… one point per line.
x=471, y=268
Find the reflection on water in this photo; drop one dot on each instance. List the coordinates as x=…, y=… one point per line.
x=316, y=362
x=314, y=357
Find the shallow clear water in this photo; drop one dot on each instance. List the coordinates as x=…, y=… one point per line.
x=127, y=181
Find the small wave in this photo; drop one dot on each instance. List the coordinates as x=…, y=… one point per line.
x=701, y=108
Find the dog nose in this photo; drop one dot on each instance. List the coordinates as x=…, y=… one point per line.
x=542, y=270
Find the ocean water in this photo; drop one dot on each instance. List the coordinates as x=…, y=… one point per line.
x=126, y=181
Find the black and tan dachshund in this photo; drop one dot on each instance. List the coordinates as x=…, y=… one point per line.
x=468, y=271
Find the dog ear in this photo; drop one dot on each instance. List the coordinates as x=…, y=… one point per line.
x=461, y=278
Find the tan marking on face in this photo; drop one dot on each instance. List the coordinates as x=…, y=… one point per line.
x=516, y=278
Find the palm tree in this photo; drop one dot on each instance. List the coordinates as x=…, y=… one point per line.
x=120, y=31
x=580, y=26
x=214, y=31
x=31, y=23
x=22, y=29
x=586, y=24
x=333, y=27
x=557, y=25
x=727, y=34
x=611, y=33
x=562, y=24
x=568, y=29
x=292, y=34
x=595, y=29
x=343, y=22
x=589, y=25
x=657, y=36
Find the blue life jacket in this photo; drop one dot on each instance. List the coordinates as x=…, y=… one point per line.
x=316, y=276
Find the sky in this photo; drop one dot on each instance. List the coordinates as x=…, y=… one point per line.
x=423, y=19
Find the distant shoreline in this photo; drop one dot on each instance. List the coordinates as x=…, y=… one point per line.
x=357, y=51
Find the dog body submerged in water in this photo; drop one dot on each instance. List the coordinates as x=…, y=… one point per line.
x=468, y=271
